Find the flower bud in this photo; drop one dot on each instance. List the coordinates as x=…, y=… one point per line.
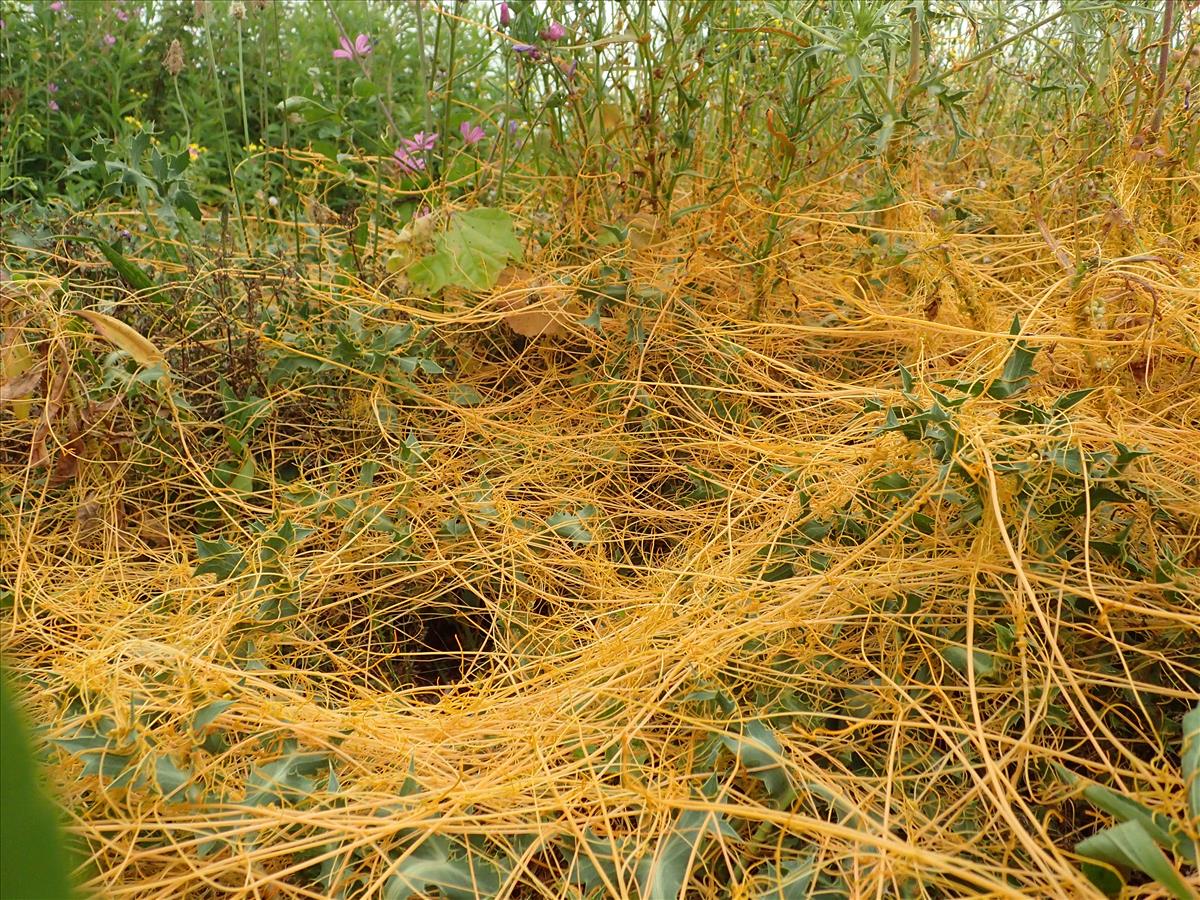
x=173, y=61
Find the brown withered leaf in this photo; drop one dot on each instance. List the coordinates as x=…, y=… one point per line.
x=39, y=454
x=533, y=323
x=21, y=386
x=531, y=307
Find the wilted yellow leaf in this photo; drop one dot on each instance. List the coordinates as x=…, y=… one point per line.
x=641, y=230
x=121, y=335
x=609, y=119
x=19, y=377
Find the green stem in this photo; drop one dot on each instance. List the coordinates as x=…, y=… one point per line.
x=425, y=73
x=450, y=77
x=187, y=125
x=237, y=200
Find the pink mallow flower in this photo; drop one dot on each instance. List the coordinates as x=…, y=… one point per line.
x=122, y=15
x=360, y=48
x=420, y=142
x=53, y=105
x=57, y=6
x=471, y=134
x=52, y=87
x=554, y=33
x=109, y=40
x=408, y=163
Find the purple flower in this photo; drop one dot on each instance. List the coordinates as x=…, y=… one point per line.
x=554, y=33
x=505, y=15
x=512, y=126
x=420, y=142
x=408, y=163
x=527, y=49
x=53, y=104
x=471, y=134
x=57, y=6
x=361, y=48
x=52, y=87
x=109, y=40
x=122, y=15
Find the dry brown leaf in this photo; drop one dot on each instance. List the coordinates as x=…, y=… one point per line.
x=39, y=454
x=121, y=335
x=153, y=531
x=532, y=323
x=20, y=386
x=531, y=308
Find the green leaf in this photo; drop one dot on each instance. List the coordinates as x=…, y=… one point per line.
x=32, y=855
x=169, y=777
x=364, y=88
x=665, y=874
x=758, y=749
x=1163, y=830
x=114, y=769
x=285, y=780
x=219, y=558
x=1190, y=764
x=1018, y=368
x=982, y=661
x=208, y=713
x=431, y=866
x=571, y=525
x=1129, y=846
x=465, y=395
x=243, y=479
x=135, y=277
x=471, y=253
x=290, y=366
x=790, y=880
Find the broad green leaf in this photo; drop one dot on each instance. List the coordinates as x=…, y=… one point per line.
x=290, y=366
x=243, y=480
x=465, y=395
x=665, y=874
x=169, y=777
x=284, y=780
x=571, y=525
x=982, y=661
x=1190, y=766
x=456, y=877
x=32, y=855
x=1162, y=829
x=601, y=862
x=471, y=252
x=1018, y=368
x=790, y=880
x=758, y=749
x=219, y=558
x=208, y=713
x=1129, y=846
